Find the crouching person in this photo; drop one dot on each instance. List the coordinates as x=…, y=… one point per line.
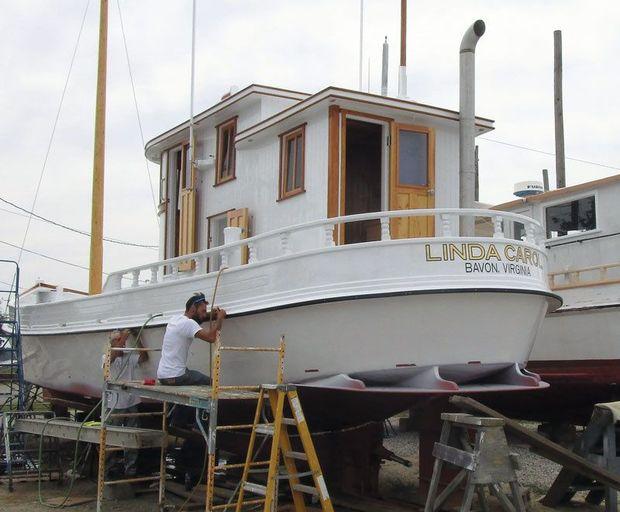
x=180, y=332
x=122, y=368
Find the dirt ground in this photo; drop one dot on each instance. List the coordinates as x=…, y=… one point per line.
x=396, y=481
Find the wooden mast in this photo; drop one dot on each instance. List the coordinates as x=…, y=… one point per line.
x=96, y=230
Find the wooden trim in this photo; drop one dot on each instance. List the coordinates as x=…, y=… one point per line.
x=333, y=144
x=539, y=198
x=284, y=138
x=430, y=148
x=224, y=104
x=584, y=284
x=359, y=113
x=342, y=173
x=315, y=99
x=232, y=122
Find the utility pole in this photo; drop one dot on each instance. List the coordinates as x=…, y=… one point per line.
x=560, y=161
x=96, y=223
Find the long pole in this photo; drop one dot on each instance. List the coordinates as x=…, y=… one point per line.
x=361, y=43
x=191, y=91
x=402, y=69
x=96, y=223
x=560, y=162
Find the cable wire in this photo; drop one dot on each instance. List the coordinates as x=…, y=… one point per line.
x=74, y=230
x=550, y=154
x=51, y=139
x=135, y=101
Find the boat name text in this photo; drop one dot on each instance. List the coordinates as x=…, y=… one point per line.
x=514, y=258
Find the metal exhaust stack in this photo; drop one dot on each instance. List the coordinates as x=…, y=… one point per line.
x=384, y=69
x=467, y=128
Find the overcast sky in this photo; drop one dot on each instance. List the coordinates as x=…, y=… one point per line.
x=300, y=45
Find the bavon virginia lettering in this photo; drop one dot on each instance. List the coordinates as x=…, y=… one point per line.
x=513, y=259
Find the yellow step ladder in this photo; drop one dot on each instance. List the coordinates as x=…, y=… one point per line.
x=274, y=397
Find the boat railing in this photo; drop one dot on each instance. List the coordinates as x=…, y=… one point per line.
x=490, y=224
x=596, y=275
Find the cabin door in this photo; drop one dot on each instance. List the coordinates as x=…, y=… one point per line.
x=364, y=184
x=187, y=210
x=412, y=180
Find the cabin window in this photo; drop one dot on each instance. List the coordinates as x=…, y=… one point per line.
x=216, y=225
x=226, y=154
x=571, y=218
x=292, y=156
x=413, y=158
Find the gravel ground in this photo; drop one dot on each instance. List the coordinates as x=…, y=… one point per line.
x=396, y=481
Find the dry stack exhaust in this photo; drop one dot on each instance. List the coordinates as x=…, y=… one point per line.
x=467, y=128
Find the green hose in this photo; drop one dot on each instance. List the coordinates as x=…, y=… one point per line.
x=77, y=441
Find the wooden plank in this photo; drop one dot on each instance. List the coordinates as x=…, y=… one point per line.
x=544, y=447
x=124, y=437
x=454, y=456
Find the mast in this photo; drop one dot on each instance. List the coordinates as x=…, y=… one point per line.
x=191, y=91
x=402, y=70
x=96, y=229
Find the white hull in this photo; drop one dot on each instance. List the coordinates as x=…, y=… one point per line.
x=390, y=333
x=409, y=314
x=580, y=334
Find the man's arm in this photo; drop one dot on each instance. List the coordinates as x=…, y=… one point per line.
x=144, y=356
x=209, y=335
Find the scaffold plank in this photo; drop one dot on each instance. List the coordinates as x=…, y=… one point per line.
x=123, y=437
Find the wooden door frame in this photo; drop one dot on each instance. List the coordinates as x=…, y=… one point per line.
x=337, y=155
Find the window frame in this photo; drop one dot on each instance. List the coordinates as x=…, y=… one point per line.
x=430, y=168
x=570, y=199
x=282, y=181
x=232, y=122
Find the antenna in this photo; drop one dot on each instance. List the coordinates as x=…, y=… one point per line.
x=361, y=43
x=384, y=68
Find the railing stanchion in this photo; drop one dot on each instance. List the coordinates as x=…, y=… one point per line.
x=154, y=274
x=224, y=259
x=284, y=243
x=329, y=235
x=253, y=253
x=135, y=281
x=446, y=225
x=498, y=231
x=385, y=228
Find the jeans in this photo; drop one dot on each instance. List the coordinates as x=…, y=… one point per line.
x=189, y=378
x=130, y=455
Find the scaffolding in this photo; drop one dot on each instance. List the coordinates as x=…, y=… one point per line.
x=270, y=398
x=12, y=386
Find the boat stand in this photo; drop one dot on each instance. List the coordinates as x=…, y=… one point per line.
x=485, y=463
x=598, y=445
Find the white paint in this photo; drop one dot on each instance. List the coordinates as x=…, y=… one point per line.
x=590, y=333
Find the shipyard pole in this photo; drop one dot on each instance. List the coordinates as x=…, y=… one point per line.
x=560, y=161
x=402, y=69
x=96, y=229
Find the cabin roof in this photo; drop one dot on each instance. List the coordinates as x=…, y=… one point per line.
x=239, y=99
x=47, y=286
x=559, y=192
x=305, y=104
x=351, y=98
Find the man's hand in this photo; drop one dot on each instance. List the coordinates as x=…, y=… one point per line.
x=220, y=314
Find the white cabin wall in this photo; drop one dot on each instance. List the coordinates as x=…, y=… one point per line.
x=271, y=105
x=256, y=185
